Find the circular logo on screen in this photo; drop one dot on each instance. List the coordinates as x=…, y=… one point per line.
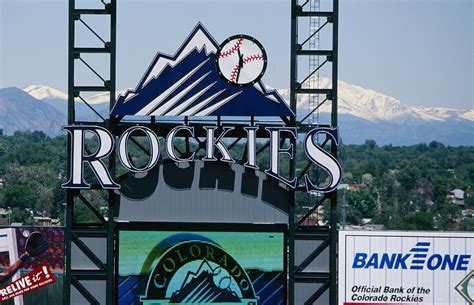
x=241, y=60
x=198, y=272
x=26, y=233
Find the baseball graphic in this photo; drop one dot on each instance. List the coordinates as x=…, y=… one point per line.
x=241, y=60
x=470, y=288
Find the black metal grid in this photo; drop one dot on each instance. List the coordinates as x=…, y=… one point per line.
x=327, y=235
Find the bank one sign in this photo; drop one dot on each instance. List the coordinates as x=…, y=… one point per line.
x=202, y=79
x=406, y=268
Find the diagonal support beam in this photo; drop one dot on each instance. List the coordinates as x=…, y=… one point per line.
x=234, y=143
x=311, y=211
x=263, y=148
x=88, y=252
x=314, y=109
x=312, y=35
x=91, y=108
x=92, y=31
x=91, y=207
x=312, y=73
x=140, y=146
x=317, y=294
x=308, y=260
x=84, y=292
x=92, y=69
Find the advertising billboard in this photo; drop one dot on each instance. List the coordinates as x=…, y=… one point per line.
x=160, y=264
x=27, y=250
x=406, y=268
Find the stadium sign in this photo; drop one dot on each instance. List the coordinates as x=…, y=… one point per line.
x=106, y=146
x=416, y=259
x=202, y=79
x=405, y=268
x=241, y=266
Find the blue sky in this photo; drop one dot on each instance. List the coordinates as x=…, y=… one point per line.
x=419, y=51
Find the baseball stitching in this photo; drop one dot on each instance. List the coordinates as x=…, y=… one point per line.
x=232, y=50
x=233, y=75
x=252, y=58
x=247, y=59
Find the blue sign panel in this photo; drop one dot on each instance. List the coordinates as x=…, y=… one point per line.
x=204, y=78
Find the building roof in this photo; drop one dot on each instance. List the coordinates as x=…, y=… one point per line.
x=458, y=194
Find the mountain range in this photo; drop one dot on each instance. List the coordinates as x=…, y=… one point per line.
x=366, y=114
x=363, y=114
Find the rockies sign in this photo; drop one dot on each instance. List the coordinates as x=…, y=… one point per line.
x=202, y=79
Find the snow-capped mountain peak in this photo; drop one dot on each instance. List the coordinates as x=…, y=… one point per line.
x=373, y=106
x=198, y=40
x=353, y=100
x=43, y=92
x=102, y=98
x=357, y=101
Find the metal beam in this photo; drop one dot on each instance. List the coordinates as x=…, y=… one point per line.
x=91, y=50
x=75, y=232
x=298, y=231
x=89, y=275
x=333, y=195
x=110, y=285
x=314, y=14
x=84, y=292
x=85, y=249
x=70, y=193
x=318, y=293
x=293, y=102
x=91, y=12
x=313, y=91
x=315, y=52
x=308, y=260
x=91, y=89
x=311, y=277
x=318, y=233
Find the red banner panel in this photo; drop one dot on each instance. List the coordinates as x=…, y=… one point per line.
x=37, y=278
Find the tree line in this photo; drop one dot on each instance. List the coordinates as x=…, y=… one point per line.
x=398, y=187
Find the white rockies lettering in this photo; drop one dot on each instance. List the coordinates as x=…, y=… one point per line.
x=106, y=145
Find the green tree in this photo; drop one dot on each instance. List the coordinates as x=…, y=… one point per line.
x=446, y=216
x=419, y=221
x=21, y=216
x=467, y=224
x=19, y=196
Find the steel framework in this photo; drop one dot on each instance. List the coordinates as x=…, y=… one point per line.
x=322, y=238
x=103, y=230
x=85, y=280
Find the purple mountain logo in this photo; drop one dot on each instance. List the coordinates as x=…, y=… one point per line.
x=197, y=271
x=206, y=285
x=189, y=84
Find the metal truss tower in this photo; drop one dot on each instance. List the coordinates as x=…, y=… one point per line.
x=80, y=236
x=314, y=245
